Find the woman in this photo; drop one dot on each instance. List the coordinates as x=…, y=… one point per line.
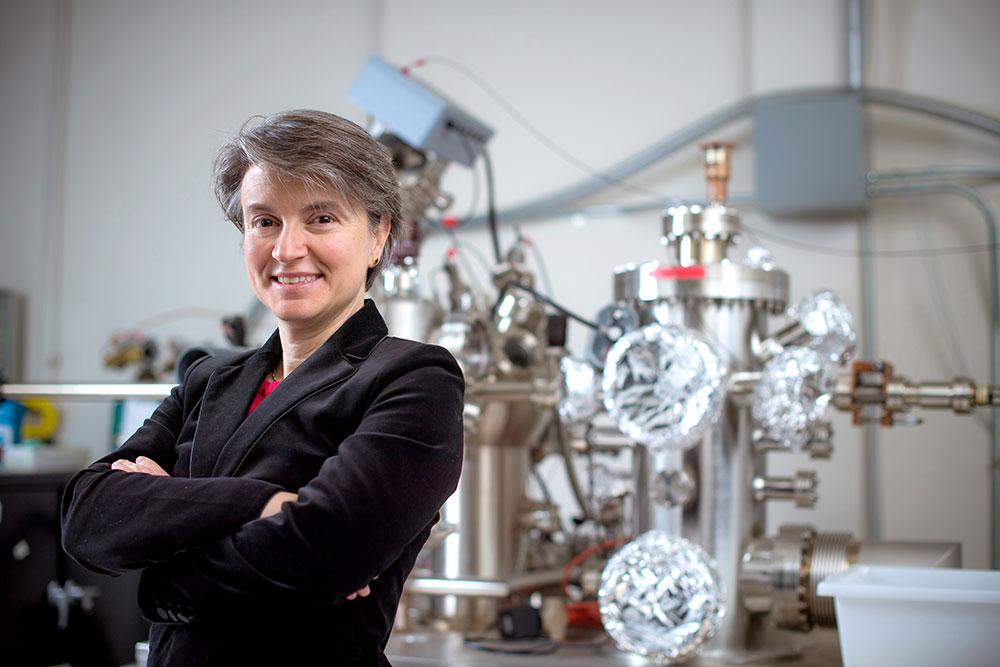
x=274, y=485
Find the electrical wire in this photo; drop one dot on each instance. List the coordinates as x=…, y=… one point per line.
x=177, y=314
x=532, y=646
x=544, y=299
x=460, y=249
x=535, y=132
x=882, y=254
x=887, y=98
x=539, y=260
x=935, y=286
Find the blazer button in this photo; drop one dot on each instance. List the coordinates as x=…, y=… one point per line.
x=161, y=613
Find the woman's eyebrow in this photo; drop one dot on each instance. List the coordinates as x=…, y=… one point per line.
x=254, y=207
x=325, y=204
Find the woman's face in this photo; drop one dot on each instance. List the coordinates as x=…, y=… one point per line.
x=307, y=250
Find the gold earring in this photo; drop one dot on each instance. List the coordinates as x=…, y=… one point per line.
x=374, y=261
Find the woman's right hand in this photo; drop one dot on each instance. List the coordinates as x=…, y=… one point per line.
x=273, y=505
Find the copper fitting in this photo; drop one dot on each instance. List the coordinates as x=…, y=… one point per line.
x=717, y=169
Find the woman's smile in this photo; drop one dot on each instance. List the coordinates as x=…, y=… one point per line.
x=295, y=280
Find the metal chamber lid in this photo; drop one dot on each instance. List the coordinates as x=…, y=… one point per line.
x=653, y=281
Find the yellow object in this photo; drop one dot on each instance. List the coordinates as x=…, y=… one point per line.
x=41, y=419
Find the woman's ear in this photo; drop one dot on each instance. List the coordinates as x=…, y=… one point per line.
x=382, y=235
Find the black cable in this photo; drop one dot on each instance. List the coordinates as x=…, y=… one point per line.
x=535, y=646
x=544, y=299
x=491, y=211
x=530, y=646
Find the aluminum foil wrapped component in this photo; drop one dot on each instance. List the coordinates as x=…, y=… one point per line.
x=829, y=322
x=661, y=597
x=579, y=400
x=793, y=391
x=664, y=386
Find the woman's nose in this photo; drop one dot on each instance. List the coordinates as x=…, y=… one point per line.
x=290, y=244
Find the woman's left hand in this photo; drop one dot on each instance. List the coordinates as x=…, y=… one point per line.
x=362, y=592
x=142, y=464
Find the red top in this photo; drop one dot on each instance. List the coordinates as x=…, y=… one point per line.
x=266, y=388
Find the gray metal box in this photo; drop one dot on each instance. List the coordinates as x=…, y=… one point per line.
x=810, y=157
x=416, y=114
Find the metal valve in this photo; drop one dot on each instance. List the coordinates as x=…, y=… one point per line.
x=872, y=393
x=801, y=488
x=63, y=597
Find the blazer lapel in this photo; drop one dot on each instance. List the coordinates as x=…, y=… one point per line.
x=228, y=395
x=331, y=364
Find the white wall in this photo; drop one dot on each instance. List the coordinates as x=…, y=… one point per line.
x=153, y=89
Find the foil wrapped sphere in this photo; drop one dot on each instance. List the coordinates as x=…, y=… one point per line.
x=664, y=386
x=793, y=392
x=829, y=322
x=661, y=597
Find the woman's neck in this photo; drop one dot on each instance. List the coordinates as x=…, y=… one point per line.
x=299, y=342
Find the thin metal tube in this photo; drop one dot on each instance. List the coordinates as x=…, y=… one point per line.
x=574, y=481
x=965, y=191
x=936, y=173
x=872, y=473
x=855, y=43
x=84, y=391
x=490, y=588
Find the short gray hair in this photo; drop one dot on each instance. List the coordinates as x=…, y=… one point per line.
x=320, y=149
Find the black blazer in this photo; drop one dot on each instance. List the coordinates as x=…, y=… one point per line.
x=368, y=432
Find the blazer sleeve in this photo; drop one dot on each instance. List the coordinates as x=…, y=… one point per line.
x=113, y=521
x=382, y=489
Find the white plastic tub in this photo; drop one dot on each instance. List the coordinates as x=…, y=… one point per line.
x=916, y=616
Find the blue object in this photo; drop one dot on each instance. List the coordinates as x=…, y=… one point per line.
x=11, y=416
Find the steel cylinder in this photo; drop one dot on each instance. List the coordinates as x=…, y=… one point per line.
x=729, y=304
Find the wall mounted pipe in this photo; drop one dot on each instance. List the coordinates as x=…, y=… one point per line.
x=562, y=201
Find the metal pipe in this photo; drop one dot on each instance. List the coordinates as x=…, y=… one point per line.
x=935, y=173
x=513, y=392
x=464, y=587
x=574, y=481
x=70, y=391
x=490, y=588
x=992, y=235
x=872, y=499
x=855, y=43
x=562, y=201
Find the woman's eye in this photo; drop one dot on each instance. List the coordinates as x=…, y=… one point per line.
x=324, y=219
x=262, y=223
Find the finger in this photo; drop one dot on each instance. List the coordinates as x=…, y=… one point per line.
x=149, y=466
x=365, y=592
x=352, y=596
x=124, y=466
